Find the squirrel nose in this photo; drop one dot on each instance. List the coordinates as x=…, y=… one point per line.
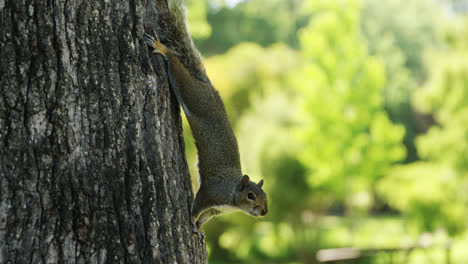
x=264, y=212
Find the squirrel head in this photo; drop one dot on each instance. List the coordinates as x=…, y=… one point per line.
x=251, y=198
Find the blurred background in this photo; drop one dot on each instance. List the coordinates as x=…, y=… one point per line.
x=355, y=113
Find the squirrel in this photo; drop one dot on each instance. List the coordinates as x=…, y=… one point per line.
x=223, y=187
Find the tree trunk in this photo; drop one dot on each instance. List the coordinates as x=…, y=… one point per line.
x=92, y=163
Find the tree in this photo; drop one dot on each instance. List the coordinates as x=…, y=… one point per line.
x=92, y=164
x=397, y=34
x=434, y=189
x=264, y=22
x=349, y=141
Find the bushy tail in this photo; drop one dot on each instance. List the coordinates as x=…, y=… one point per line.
x=177, y=37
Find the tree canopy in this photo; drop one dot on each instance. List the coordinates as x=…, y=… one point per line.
x=354, y=113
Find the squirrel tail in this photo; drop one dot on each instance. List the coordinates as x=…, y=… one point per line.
x=178, y=39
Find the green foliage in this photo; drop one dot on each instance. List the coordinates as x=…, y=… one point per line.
x=199, y=27
x=259, y=21
x=429, y=194
x=398, y=34
x=322, y=98
x=402, y=23
x=435, y=190
x=271, y=154
x=260, y=72
x=350, y=141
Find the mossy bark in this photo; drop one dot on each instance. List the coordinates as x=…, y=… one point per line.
x=92, y=163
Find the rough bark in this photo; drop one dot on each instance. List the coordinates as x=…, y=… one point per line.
x=92, y=163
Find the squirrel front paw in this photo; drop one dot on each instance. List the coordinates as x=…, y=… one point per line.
x=195, y=228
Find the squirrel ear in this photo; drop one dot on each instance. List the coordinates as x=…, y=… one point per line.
x=245, y=180
x=260, y=183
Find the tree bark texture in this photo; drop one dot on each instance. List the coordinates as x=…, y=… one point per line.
x=92, y=163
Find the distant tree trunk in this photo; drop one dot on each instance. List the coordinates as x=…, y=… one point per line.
x=92, y=163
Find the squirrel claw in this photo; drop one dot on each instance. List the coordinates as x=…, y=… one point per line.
x=158, y=47
x=197, y=229
x=149, y=39
x=194, y=227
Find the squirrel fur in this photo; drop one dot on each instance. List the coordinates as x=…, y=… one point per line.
x=223, y=187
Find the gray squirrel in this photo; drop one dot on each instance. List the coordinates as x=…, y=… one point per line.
x=223, y=187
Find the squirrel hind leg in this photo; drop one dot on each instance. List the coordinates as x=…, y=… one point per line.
x=155, y=43
x=149, y=39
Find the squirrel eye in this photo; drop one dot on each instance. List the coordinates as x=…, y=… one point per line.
x=251, y=196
